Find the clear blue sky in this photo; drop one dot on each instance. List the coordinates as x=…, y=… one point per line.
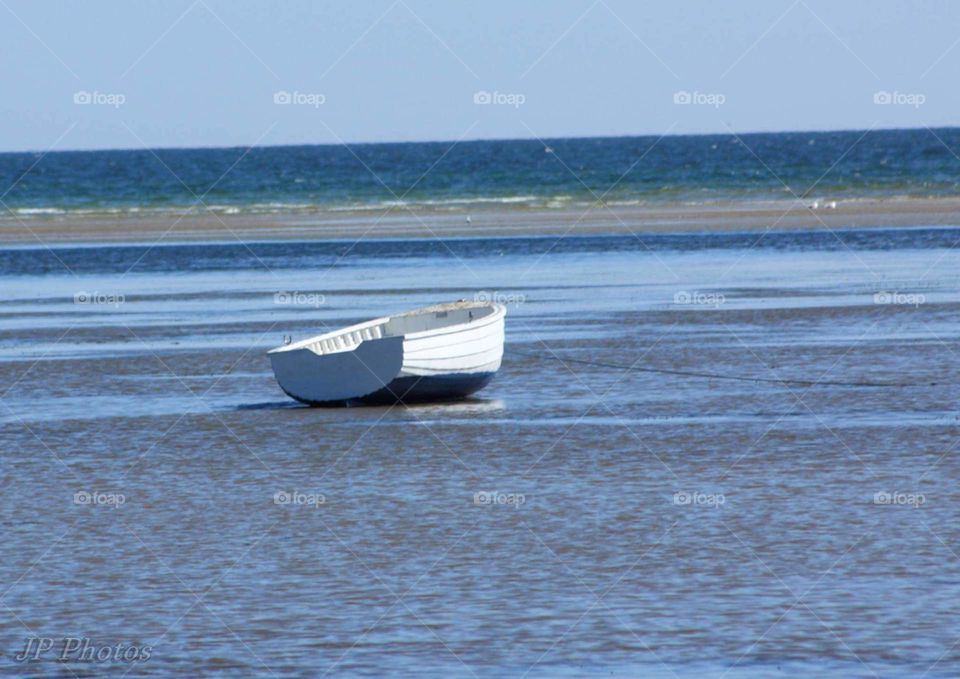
x=206, y=73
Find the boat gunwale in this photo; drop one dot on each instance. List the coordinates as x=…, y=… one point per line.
x=489, y=319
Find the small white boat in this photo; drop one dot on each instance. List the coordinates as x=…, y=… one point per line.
x=437, y=353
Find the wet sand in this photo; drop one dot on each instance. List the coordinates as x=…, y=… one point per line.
x=670, y=527
x=398, y=222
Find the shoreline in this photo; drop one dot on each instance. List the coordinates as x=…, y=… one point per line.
x=399, y=222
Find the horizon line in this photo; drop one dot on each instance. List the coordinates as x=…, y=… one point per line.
x=476, y=140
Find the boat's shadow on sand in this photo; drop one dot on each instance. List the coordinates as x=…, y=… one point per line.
x=467, y=405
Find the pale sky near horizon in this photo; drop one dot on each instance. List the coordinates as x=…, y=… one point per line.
x=180, y=73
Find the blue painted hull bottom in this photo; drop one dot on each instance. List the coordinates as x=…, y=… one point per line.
x=416, y=389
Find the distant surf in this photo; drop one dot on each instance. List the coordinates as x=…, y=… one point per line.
x=479, y=175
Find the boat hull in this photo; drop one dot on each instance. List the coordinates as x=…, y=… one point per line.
x=415, y=389
x=441, y=353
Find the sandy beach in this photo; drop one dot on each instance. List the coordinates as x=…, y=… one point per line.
x=200, y=224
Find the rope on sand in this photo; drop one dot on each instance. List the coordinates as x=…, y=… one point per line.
x=721, y=376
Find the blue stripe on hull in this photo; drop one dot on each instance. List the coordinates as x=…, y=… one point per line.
x=418, y=389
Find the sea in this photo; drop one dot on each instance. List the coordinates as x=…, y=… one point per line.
x=472, y=175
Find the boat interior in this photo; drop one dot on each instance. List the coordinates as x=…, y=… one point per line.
x=420, y=320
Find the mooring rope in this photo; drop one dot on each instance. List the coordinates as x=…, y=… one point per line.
x=720, y=376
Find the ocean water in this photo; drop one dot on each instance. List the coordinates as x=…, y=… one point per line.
x=576, y=518
x=555, y=173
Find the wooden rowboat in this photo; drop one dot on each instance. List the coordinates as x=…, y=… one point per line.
x=437, y=353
